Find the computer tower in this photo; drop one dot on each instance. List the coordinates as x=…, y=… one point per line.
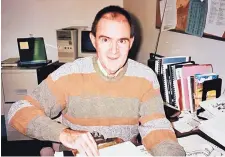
x=67, y=44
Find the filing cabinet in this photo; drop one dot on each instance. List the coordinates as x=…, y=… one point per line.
x=16, y=83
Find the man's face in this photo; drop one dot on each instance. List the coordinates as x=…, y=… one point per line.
x=112, y=43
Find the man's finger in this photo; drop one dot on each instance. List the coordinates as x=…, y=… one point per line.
x=81, y=150
x=91, y=145
x=87, y=149
x=92, y=139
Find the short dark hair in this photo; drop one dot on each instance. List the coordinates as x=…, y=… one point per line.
x=112, y=9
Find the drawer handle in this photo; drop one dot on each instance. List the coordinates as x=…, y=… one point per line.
x=21, y=91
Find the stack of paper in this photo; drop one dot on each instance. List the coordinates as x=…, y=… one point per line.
x=194, y=145
x=122, y=149
x=215, y=128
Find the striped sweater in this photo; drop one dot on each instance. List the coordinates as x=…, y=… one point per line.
x=120, y=107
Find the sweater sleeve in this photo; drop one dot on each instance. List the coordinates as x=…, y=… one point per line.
x=32, y=115
x=155, y=129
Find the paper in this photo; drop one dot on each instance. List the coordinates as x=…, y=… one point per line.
x=143, y=149
x=214, y=106
x=195, y=145
x=197, y=12
x=169, y=21
x=215, y=21
x=123, y=149
x=58, y=154
x=186, y=123
x=24, y=45
x=214, y=128
x=206, y=114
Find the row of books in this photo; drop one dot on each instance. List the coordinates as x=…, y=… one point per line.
x=181, y=81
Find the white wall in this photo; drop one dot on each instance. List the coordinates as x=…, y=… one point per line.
x=42, y=17
x=202, y=50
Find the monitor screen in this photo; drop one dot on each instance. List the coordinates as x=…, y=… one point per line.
x=32, y=49
x=86, y=44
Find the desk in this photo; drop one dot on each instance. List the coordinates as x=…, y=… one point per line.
x=194, y=145
x=179, y=135
x=201, y=134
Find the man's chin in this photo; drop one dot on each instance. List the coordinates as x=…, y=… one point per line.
x=113, y=71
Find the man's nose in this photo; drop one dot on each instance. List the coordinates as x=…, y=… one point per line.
x=114, y=49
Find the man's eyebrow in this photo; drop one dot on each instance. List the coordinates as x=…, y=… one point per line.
x=103, y=36
x=124, y=38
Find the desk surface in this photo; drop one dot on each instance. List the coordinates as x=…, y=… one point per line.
x=201, y=134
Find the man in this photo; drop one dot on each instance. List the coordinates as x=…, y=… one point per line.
x=108, y=94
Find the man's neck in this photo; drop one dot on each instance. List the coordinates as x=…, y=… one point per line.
x=105, y=73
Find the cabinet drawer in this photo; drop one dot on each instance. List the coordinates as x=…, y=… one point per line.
x=17, y=85
x=12, y=134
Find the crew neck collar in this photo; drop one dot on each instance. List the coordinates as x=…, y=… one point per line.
x=102, y=72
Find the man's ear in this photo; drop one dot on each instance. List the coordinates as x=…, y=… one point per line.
x=92, y=37
x=131, y=42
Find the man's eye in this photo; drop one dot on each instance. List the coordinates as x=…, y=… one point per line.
x=122, y=41
x=104, y=40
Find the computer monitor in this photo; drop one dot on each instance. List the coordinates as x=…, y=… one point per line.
x=85, y=47
x=32, y=51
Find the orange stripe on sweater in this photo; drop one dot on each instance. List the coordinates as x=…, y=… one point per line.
x=127, y=87
x=23, y=116
x=152, y=93
x=101, y=121
x=145, y=119
x=32, y=101
x=58, y=89
x=157, y=136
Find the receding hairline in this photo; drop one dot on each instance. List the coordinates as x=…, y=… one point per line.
x=115, y=16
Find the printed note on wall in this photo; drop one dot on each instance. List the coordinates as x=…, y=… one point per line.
x=215, y=21
x=169, y=20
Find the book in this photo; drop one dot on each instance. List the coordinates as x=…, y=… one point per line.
x=10, y=62
x=198, y=87
x=172, y=81
x=190, y=70
x=190, y=81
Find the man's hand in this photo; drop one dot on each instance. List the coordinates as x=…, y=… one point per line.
x=82, y=141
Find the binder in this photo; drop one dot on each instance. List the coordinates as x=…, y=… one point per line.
x=155, y=64
x=165, y=62
x=172, y=82
x=154, y=61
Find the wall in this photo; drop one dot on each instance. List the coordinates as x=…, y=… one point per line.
x=202, y=50
x=42, y=17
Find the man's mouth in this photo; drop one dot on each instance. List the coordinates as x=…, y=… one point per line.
x=113, y=58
